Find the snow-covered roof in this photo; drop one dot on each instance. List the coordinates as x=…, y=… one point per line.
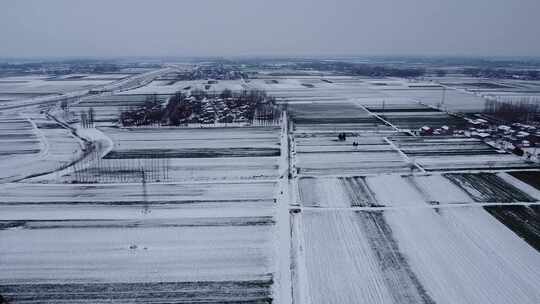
x=483, y=135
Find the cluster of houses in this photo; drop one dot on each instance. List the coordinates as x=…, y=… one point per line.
x=224, y=110
x=219, y=72
x=517, y=134
x=215, y=109
x=429, y=131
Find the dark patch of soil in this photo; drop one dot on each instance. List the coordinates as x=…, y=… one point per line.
x=523, y=220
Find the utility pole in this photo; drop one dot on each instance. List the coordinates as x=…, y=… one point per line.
x=146, y=208
x=443, y=97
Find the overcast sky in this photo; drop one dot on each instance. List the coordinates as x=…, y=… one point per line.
x=269, y=27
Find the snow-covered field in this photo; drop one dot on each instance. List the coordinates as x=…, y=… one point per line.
x=352, y=163
x=456, y=153
x=178, y=155
x=234, y=214
x=418, y=255
x=43, y=148
x=323, y=154
x=98, y=251
x=17, y=137
x=107, y=108
x=171, y=87
x=412, y=120
x=135, y=193
x=143, y=252
x=200, y=233
x=47, y=85
x=413, y=190
x=507, y=90
x=193, y=142
x=206, y=232
x=178, y=169
x=373, y=227
x=126, y=139
x=487, y=187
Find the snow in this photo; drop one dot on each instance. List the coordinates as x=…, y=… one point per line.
x=133, y=193
x=528, y=189
x=357, y=163
x=185, y=138
x=325, y=192
x=89, y=211
x=57, y=148
x=436, y=188
x=103, y=254
x=352, y=224
x=393, y=190
x=463, y=255
x=179, y=169
x=340, y=264
x=191, y=242
x=455, y=255
x=46, y=85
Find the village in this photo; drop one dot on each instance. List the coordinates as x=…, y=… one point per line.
x=518, y=138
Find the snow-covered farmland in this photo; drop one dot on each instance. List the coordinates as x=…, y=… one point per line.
x=107, y=108
x=488, y=187
x=192, y=142
x=332, y=113
x=47, y=85
x=324, y=154
x=456, y=153
x=39, y=147
x=413, y=189
x=353, y=163
x=177, y=169
x=173, y=241
x=136, y=193
x=368, y=213
x=17, y=137
x=450, y=99
x=416, y=120
x=340, y=192
x=194, y=252
x=180, y=154
x=218, y=250
x=453, y=255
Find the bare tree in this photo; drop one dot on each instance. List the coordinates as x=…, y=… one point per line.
x=91, y=117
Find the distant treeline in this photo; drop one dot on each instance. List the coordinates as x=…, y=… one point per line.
x=523, y=111
x=64, y=67
x=502, y=73
x=60, y=68
x=360, y=69
x=371, y=70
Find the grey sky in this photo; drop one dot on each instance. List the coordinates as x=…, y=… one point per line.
x=268, y=27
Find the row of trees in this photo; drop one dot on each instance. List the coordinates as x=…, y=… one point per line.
x=88, y=118
x=502, y=73
x=523, y=111
x=361, y=69
x=372, y=70
x=95, y=169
